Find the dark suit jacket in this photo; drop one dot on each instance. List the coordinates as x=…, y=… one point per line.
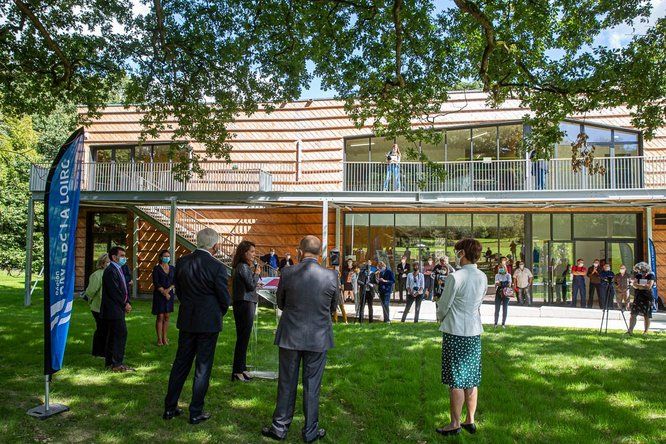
x=201, y=286
x=385, y=287
x=283, y=263
x=245, y=283
x=114, y=294
x=400, y=270
x=307, y=295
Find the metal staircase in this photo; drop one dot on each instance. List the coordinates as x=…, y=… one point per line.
x=188, y=222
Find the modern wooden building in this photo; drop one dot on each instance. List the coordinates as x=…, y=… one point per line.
x=305, y=168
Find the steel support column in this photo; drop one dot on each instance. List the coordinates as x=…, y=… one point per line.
x=172, y=230
x=338, y=232
x=324, y=232
x=648, y=229
x=28, y=251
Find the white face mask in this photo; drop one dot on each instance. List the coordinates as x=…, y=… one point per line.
x=459, y=255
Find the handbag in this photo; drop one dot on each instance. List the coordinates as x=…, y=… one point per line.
x=507, y=292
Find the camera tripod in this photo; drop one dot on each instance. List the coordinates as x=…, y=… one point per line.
x=608, y=305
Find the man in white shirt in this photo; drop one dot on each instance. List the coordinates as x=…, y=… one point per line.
x=523, y=278
x=415, y=287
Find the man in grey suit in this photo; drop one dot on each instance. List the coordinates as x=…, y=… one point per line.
x=307, y=295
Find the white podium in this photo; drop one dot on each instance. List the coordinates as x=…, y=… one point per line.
x=264, y=362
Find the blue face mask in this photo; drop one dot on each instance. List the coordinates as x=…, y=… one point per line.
x=502, y=271
x=166, y=259
x=122, y=261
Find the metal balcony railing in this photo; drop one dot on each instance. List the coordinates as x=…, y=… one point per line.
x=137, y=177
x=635, y=172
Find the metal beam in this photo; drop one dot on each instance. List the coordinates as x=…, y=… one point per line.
x=324, y=233
x=172, y=230
x=338, y=228
x=135, y=256
x=28, y=251
x=648, y=225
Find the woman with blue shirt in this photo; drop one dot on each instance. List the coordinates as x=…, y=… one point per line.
x=503, y=292
x=458, y=310
x=163, y=295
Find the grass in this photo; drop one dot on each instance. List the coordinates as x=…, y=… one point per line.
x=381, y=385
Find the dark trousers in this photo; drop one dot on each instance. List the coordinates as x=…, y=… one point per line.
x=578, y=290
x=384, y=300
x=313, y=370
x=402, y=285
x=116, y=339
x=416, y=300
x=366, y=298
x=594, y=288
x=191, y=345
x=243, y=317
x=99, y=337
x=501, y=301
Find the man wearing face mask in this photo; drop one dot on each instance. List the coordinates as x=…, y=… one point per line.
x=523, y=278
x=593, y=273
x=607, y=293
x=403, y=271
x=621, y=284
x=286, y=261
x=115, y=305
x=578, y=272
x=386, y=280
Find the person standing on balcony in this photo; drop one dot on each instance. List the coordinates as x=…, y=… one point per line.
x=578, y=272
x=402, y=270
x=415, y=289
x=94, y=295
x=286, y=261
x=163, y=296
x=523, y=278
x=593, y=274
x=386, y=279
x=393, y=168
x=272, y=262
x=539, y=170
x=245, y=282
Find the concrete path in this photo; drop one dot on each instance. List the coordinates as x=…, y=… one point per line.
x=544, y=316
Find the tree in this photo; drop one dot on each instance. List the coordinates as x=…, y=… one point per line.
x=18, y=141
x=203, y=62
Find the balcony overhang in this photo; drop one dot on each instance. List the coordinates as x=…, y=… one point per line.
x=497, y=199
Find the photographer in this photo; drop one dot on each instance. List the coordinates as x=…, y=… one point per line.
x=441, y=271
x=415, y=287
x=366, y=283
x=393, y=168
x=642, y=283
x=607, y=292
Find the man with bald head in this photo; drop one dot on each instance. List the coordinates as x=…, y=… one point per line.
x=307, y=295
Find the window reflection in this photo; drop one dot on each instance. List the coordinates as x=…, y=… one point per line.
x=484, y=143
x=458, y=145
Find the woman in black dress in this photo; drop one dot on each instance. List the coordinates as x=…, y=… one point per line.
x=163, y=294
x=346, y=281
x=642, y=283
x=245, y=281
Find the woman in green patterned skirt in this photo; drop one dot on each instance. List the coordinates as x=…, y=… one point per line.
x=458, y=313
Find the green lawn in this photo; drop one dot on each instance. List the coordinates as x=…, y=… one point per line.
x=381, y=385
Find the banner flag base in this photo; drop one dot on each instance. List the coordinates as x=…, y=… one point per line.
x=40, y=412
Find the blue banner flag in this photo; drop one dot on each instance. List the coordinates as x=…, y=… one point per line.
x=61, y=211
x=653, y=264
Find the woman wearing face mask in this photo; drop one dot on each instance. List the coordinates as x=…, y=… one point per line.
x=503, y=292
x=621, y=284
x=163, y=276
x=458, y=312
x=94, y=295
x=607, y=292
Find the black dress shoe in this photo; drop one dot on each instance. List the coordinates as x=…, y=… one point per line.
x=471, y=428
x=451, y=432
x=204, y=416
x=170, y=414
x=235, y=378
x=269, y=433
x=320, y=434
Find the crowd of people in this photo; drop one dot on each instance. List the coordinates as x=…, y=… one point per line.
x=309, y=296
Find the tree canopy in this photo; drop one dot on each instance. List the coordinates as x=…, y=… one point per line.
x=202, y=62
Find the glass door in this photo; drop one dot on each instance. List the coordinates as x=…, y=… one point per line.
x=620, y=253
x=559, y=282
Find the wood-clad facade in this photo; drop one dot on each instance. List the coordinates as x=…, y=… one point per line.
x=302, y=145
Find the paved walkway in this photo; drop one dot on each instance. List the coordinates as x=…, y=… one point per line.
x=544, y=316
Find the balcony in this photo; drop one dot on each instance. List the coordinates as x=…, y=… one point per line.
x=624, y=173
x=140, y=177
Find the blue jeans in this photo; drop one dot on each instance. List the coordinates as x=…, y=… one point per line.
x=392, y=169
x=578, y=288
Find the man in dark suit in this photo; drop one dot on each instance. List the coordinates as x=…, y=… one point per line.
x=201, y=287
x=386, y=279
x=307, y=295
x=115, y=305
x=402, y=271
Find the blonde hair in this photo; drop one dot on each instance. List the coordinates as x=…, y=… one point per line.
x=102, y=261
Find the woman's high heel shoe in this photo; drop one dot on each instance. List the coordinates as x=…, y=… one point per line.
x=247, y=377
x=471, y=428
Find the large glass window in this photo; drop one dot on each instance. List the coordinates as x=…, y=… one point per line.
x=104, y=230
x=458, y=226
x=407, y=236
x=433, y=235
x=379, y=148
x=510, y=142
x=357, y=150
x=561, y=226
x=592, y=225
x=381, y=237
x=434, y=153
x=571, y=132
x=458, y=146
x=512, y=236
x=484, y=143
x=356, y=235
